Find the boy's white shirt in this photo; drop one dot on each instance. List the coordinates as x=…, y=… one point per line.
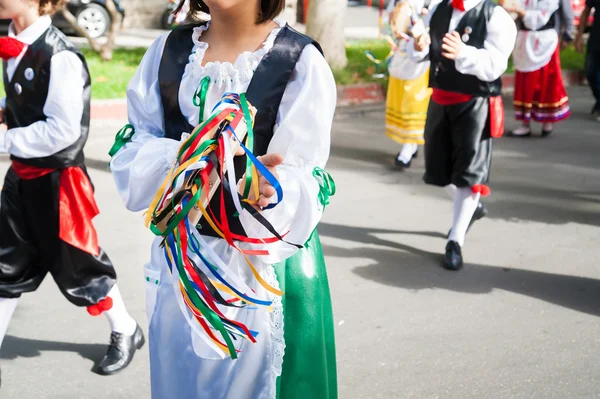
x=489, y=62
x=64, y=104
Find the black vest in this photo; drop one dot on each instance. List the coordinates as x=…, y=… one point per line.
x=264, y=93
x=549, y=25
x=443, y=73
x=26, y=106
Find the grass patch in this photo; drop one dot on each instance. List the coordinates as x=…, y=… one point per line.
x=360, y=69
x=110, y=79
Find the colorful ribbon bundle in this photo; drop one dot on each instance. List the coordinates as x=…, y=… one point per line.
x=204, y=167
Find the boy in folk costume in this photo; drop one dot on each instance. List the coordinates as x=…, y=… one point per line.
x=539, y=90
x=468, y=44
x=408, y=89
x=47, y=198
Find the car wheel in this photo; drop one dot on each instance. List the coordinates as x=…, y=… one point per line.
x=94, y=19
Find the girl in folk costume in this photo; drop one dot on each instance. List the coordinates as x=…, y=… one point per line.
x=47, y=197
x=184, y=80
x=408, y=91
x=539, y=90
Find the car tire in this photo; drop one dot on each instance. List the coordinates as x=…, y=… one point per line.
x=95, y=19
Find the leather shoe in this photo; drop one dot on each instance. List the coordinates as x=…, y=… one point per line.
x=453, y=258
x=120, y=351
x=405, y=165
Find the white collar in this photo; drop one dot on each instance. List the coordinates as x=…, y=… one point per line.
x=33, y=31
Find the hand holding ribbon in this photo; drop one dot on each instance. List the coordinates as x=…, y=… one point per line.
x=265, y=189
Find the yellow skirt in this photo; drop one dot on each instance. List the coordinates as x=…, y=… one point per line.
x=406, y=109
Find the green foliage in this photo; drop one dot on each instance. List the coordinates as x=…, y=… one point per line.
x=360, y=69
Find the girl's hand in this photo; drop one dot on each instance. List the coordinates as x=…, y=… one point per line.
x=265, y=189
x=422, y=42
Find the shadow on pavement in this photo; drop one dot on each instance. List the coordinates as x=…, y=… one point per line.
x=15, y=347
x=403, y=266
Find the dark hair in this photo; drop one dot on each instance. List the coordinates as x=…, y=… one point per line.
x=269, y=9
x=50, y=6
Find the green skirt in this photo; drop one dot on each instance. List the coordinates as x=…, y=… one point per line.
x=309, y=364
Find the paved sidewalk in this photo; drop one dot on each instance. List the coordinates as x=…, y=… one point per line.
x=520, y=321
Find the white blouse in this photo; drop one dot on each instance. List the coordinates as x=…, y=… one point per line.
x=301, y=136
x=535, y=48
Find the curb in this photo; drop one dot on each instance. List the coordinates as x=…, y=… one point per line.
x=349, y=96
x=373, y=93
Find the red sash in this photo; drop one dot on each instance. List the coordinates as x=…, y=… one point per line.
x=77, y=206
x=443, y=97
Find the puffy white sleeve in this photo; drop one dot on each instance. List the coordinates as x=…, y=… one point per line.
x=302, y=136
x=142, y=164
x=420, y=56
x=63, y=110
x=536, y=18
x=491, y=61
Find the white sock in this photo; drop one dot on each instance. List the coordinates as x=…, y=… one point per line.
x=451, y=190
x=521, y=131
x=548, y=126
x=407, y=152
x=465, y=203
x=120, y=321
x=7, y=308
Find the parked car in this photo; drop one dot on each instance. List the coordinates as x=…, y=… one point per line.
x=91, y=15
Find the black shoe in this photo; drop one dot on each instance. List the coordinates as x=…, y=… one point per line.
x=120, y=351
x=546, y=133
x=453, y=258
x=405, y=165
x=480, y=212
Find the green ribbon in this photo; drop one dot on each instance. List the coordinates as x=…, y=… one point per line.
x=326, y=185
x=208, y=313
x=200, y=97
x=249, y=144
x=123, y=137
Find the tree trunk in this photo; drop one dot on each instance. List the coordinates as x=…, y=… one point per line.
x=325, y=24
x=105, y=51
x=289, y=12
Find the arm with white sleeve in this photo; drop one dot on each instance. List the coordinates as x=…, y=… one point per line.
x=420, y=56
x=302, y=136
x=490, y=62
x=143, y=163
x=63, y=110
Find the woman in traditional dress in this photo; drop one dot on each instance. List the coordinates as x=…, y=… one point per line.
x=181, y=78
x=539, y=90
x=408, y=90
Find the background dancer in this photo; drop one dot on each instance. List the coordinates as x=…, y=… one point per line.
x=468, y=45
x=47, y=198
x=539, y=90
x=408, y=89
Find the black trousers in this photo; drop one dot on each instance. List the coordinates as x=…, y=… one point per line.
x=30, y=245
x=458, y=145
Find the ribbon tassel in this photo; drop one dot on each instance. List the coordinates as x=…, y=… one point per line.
x=204, y=163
